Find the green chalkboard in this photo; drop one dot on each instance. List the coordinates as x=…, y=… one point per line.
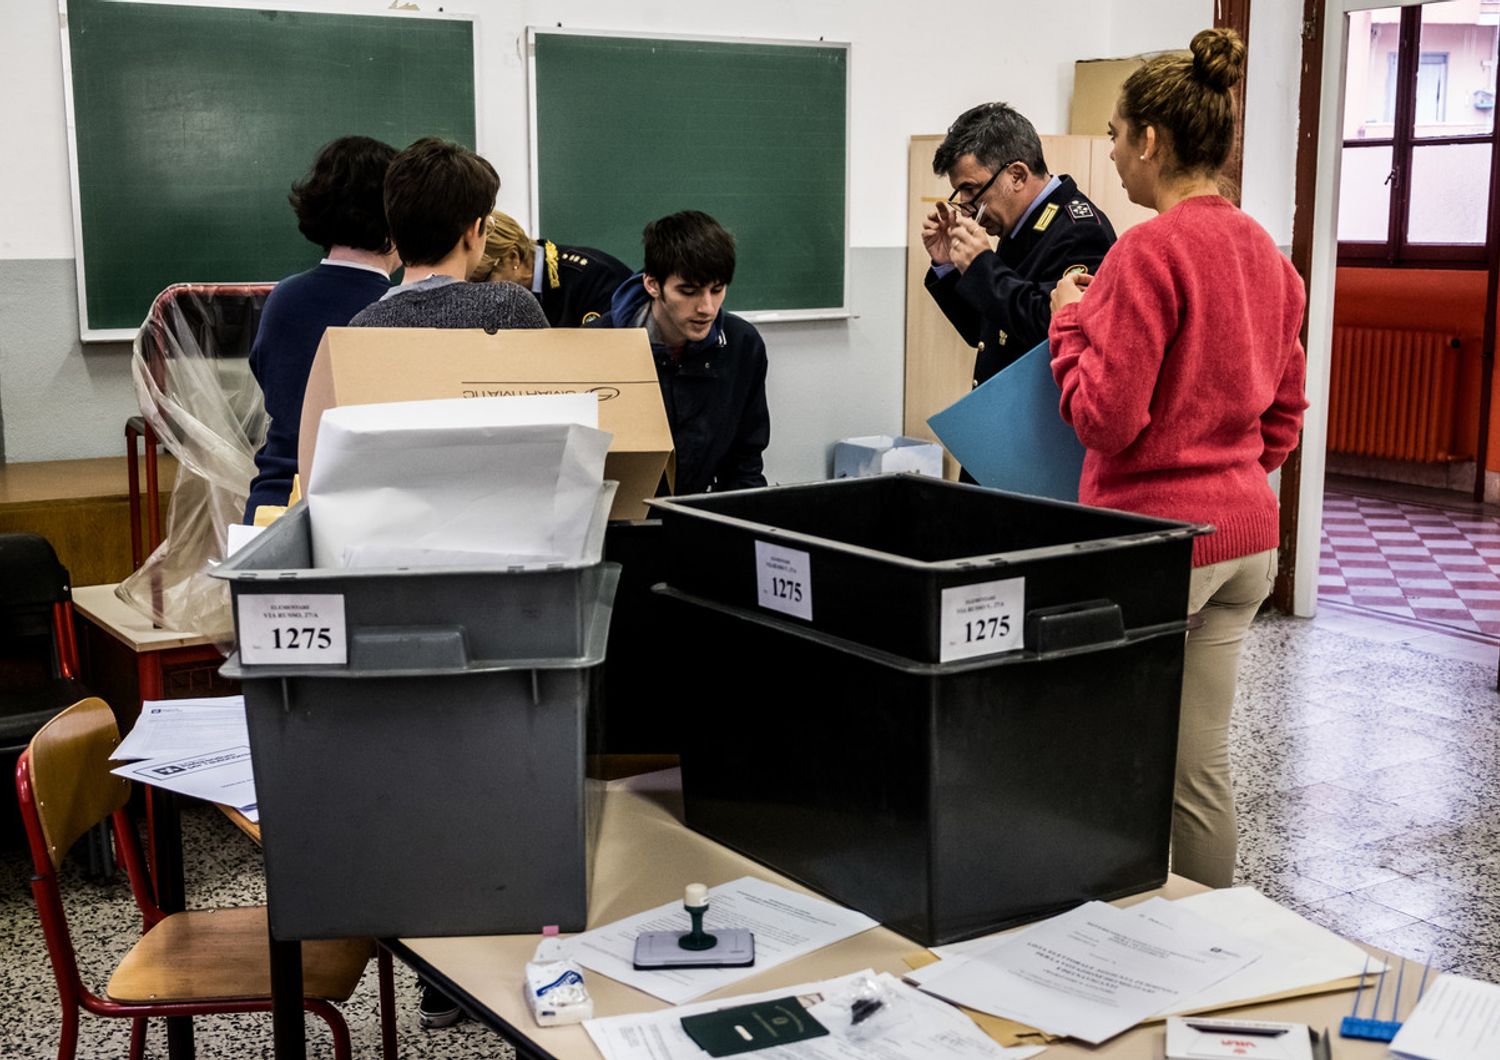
x=632, y=128
x=190, y=124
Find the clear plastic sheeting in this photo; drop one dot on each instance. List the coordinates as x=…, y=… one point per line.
x=192, y=379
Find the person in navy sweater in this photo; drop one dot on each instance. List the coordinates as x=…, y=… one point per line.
x=339, y=207
x=1182, y=373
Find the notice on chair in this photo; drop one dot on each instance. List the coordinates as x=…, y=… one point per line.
x=222, y=776
x=786, y=925
x=1095, y=971
x=175, y=728
x=1457, y=1019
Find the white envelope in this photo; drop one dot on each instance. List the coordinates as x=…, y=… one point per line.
x=1206, y=1038
x=417, y=483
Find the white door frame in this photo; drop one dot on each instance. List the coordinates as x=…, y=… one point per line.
x=1320, y=287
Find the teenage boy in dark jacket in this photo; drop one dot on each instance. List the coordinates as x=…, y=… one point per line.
x=710, y=363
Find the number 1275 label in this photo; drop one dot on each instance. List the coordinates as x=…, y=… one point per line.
x=982, y=619
x=783, y=579
x=293, y=628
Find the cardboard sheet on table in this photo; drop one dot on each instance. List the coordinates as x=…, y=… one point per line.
x=1009, y=434
x=433, y=483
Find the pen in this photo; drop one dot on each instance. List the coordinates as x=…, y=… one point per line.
x=1249, y=1030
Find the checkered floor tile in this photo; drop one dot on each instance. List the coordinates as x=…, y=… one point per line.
x=1412, y=561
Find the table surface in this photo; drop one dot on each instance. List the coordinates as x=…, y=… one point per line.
x=100, y=605
x=47, y=481
x=645, y=856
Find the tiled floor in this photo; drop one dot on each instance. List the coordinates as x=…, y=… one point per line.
x=1367, y=765
x=1411, y=561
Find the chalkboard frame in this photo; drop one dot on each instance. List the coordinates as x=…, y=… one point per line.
x=839, y=312
x=89, y=334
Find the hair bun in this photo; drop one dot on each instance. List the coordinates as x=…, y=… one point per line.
x=1218, y=58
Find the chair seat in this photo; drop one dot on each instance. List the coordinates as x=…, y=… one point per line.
x=222, y=953
x=24, y=710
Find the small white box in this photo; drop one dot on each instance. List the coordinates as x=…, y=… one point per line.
x=882, y=454
x=1207, y=1038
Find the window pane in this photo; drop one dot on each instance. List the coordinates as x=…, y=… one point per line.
x=1449, y=186
x=1364, y=196
x=1370, y=85
x=1456, y=72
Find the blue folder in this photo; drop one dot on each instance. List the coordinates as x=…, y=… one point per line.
x=1009, y=435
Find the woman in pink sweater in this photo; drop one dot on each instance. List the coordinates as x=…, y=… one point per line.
x=1181, y=371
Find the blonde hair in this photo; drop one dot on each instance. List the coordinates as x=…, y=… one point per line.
x=505, y=236
x=1188, y=99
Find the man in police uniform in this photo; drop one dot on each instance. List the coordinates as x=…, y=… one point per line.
x=573, y=284
x=1000, y=300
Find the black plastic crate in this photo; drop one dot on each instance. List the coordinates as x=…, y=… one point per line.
x=944, y=800
x=880, y=553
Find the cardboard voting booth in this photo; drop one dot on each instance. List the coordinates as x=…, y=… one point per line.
x=366, y=366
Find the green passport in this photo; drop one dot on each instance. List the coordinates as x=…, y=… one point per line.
x=746, y=1028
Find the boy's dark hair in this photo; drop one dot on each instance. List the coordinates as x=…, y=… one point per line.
x=435, y=190
x=340, y=201
x=996, y=134
x=691, y=245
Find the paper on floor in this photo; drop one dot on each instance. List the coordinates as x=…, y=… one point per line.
x=418, y=482
x=1095, y=971
x=924, y=1029
x=1457, y=1019
x=786, y=926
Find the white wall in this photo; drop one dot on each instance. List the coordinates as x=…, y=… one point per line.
x=910, y=73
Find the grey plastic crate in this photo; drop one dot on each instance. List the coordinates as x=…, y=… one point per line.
x=446, y=796
x=503, y=612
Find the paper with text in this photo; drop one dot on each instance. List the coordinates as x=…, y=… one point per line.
x=175, y=728
x=1457, y=1019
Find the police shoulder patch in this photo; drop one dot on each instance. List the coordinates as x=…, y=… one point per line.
x=1081, y=211
x=1045, y=218
x=590, y=317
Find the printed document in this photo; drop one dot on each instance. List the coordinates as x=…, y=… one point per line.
x=786, y=926
x=908, y=1026
x=1457, y=1019
x=214, y=776
x=176, y=728
x=1094, y=971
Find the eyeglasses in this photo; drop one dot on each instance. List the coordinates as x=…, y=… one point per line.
x=970, y=205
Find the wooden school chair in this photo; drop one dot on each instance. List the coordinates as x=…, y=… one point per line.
x=185, y=964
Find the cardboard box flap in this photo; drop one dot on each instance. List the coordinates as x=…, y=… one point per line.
x=364, y=366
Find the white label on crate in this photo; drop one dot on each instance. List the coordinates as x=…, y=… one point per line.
x=783, y=577
x=293, y=628
x=982, y=619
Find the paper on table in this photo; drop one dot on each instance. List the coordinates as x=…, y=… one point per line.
x=416, y=481
x=1093, y=972
x=934, y=1031
x=1457, y=1019
x=176, y=728
x=215, y=776
x=786, y=925
x=1295, y=952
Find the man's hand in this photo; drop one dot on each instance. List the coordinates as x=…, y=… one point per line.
x=966, y=241
x=1070, y=289
x=935, y=235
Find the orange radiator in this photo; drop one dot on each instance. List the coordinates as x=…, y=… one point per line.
x=1392, y=393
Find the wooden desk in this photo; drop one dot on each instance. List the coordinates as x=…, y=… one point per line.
x=646, y=855
x=81, y=506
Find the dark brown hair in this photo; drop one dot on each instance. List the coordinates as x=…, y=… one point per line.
x=1188, y=99
x=339, y=202
x=691, y=245
x=996, y=134
x=434, y=191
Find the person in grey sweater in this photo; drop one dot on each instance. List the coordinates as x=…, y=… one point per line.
x=438, y=198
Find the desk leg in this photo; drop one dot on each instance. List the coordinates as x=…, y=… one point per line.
x=163, y=811
x=287, y=1022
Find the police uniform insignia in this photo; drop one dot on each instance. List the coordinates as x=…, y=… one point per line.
x=1081, y=211
x=588, y=317
x=1001, y=337
x=1048, y=212
x=1079, y=270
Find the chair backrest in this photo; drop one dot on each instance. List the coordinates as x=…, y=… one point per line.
x=33, y=585
x=72, y=788
x=30, y=575
x=218, y=319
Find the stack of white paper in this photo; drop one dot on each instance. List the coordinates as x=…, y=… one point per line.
x=786, y=925
x=924, y=1029
x=1457, y=1019
x=476, y=481
x=195, y=747
x=1293, y=953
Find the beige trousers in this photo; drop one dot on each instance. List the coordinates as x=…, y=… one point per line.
x=1227, y=595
